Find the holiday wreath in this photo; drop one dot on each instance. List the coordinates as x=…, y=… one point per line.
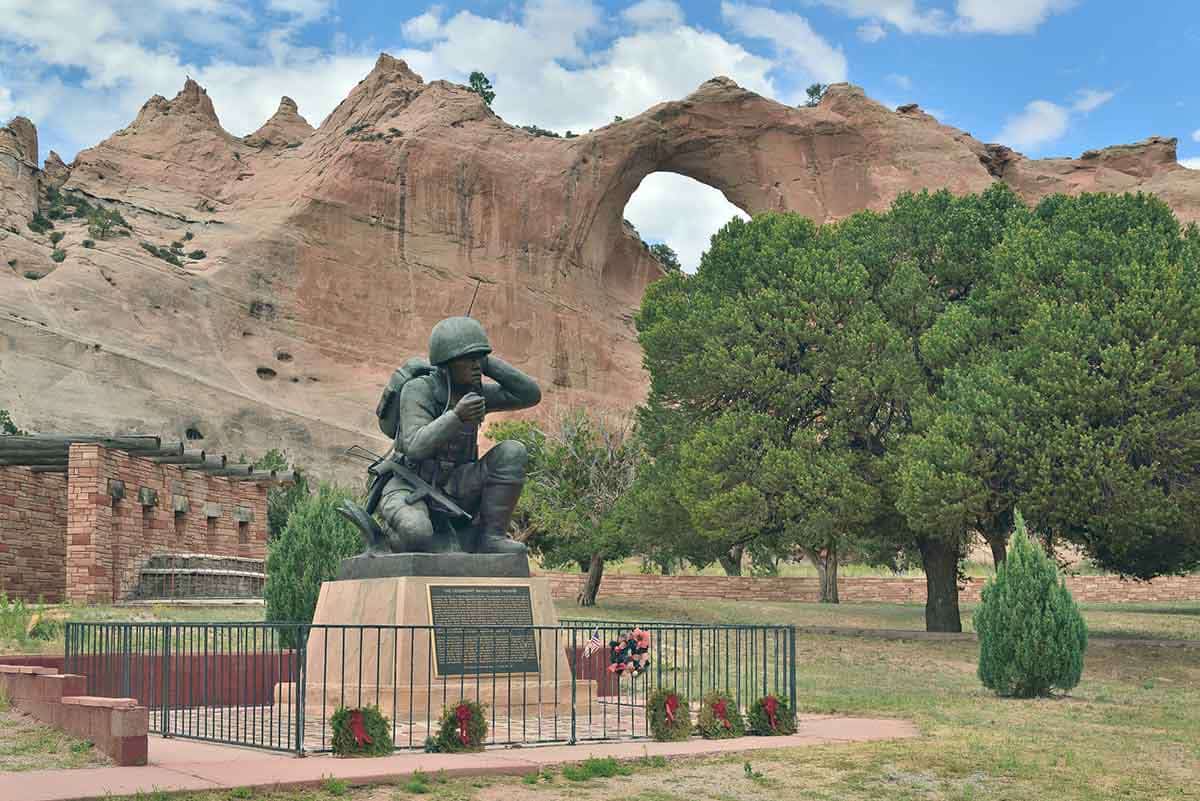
x=770, y=715
x=719, y=718
x=360, y=732
x=670, y=718
x=463, y=727
x=630, y=653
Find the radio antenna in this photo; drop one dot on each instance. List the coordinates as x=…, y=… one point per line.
x=474, y=294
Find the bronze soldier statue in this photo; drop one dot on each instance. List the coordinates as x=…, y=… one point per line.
x=434, y=476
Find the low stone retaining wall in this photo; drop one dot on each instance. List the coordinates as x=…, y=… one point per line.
x=1086, y=589
x=117, y=726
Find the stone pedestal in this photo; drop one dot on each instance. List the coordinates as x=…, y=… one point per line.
x=517, y=661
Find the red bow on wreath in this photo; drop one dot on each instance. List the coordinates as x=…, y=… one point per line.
x=770, y=705
x=671, y=705
x=718, y=708
x=358, y=729
x=463, y=715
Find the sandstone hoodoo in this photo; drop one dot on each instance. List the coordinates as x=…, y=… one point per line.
x=343, y=245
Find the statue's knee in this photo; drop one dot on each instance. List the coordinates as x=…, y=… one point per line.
x=406, y=520
x=513, y=454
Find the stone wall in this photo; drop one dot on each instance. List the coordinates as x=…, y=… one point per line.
x=33, y=529
x=163, y=509
x=1086, y=589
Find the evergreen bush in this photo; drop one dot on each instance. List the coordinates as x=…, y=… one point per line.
x=1031, y=634
x=664, y=726
x=58, y=255
x=305, y=554
x=719, y=718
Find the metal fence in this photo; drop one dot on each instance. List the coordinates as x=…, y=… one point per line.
x=276, y=685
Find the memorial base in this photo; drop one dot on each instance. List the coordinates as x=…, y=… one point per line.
x=372, y=643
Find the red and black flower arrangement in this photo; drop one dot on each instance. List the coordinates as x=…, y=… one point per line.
x=630, y=653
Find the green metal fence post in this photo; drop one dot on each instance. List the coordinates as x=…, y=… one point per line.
x=165, y=681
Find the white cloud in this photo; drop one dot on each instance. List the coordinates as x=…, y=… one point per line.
x=1196, y=135
x=306, y=10
x=1191, y=164
x=1041, y=123
x=903, y=81
x=652, y=13
x=973, y=16
x=1008, y=17
x=528, y=62
x=681, y=212
x=1091, y=99
x=791, y=35
x=424, y=28
x=871, y=32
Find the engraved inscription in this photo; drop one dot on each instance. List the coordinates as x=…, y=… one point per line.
x=463, y=650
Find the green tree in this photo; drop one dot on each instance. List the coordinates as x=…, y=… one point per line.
x=815, y=92
x=480, y=85
x=7, y=426
x=1031, y=635
x=102, y=221
x=580, y=466
x=306, y=553
x=281, y=500
x=903, y=379
x=666, y=256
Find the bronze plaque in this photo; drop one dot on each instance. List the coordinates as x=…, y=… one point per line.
x=504, y=641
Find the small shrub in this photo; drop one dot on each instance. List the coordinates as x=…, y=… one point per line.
x=719, y=718
x=12, y=262
x=82, y=746
x=14, y=615
x=418, y=783
x=32, y=276
x=378, y=730
x=39, y=224
x=176, y=245
x=187, y=237
x=770, y=716
x=89, y=244
x=238, y=793
x=1031, y=635
x=197, y=255
x=56, y=237
x=670, y=718
x=335, y=787
x=305, y=554
x=453, y=737
x=58, y=255
x=595, y=768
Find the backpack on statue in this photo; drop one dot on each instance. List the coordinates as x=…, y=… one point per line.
x=388, y=410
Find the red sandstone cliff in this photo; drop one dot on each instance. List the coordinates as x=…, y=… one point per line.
x=329, y=253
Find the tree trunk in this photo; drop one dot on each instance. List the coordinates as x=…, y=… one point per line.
x=940, y=559
x=826, y=563
x=999, y=550
x=732, y=560
x=591, y=587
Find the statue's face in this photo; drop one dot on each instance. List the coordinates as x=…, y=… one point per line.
x=465, y=371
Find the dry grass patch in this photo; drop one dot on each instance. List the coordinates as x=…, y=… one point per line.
x=27, y=744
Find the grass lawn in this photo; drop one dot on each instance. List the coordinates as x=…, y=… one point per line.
x=1131, y=729
x=26, y=744
x=1178, y=620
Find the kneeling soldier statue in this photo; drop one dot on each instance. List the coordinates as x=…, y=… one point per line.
x=433, y=491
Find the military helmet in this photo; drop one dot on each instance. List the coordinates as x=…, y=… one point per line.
x=457, y=336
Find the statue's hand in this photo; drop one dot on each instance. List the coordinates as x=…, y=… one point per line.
x=471, y=408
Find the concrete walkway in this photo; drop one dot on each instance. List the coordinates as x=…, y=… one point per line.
x=183, y=765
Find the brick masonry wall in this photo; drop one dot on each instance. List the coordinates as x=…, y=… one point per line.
x=33, y=532
x=1086, y=589
x=110, y=540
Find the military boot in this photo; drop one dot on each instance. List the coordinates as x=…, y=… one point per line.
x=496, y=505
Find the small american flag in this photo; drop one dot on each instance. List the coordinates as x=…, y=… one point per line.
x=594, y=644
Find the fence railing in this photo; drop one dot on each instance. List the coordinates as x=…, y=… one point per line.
x=276, y=685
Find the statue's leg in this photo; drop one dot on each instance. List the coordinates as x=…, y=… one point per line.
x=493, y=484
x=407, y=526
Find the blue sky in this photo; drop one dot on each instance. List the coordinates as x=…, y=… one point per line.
x=1047, y=77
